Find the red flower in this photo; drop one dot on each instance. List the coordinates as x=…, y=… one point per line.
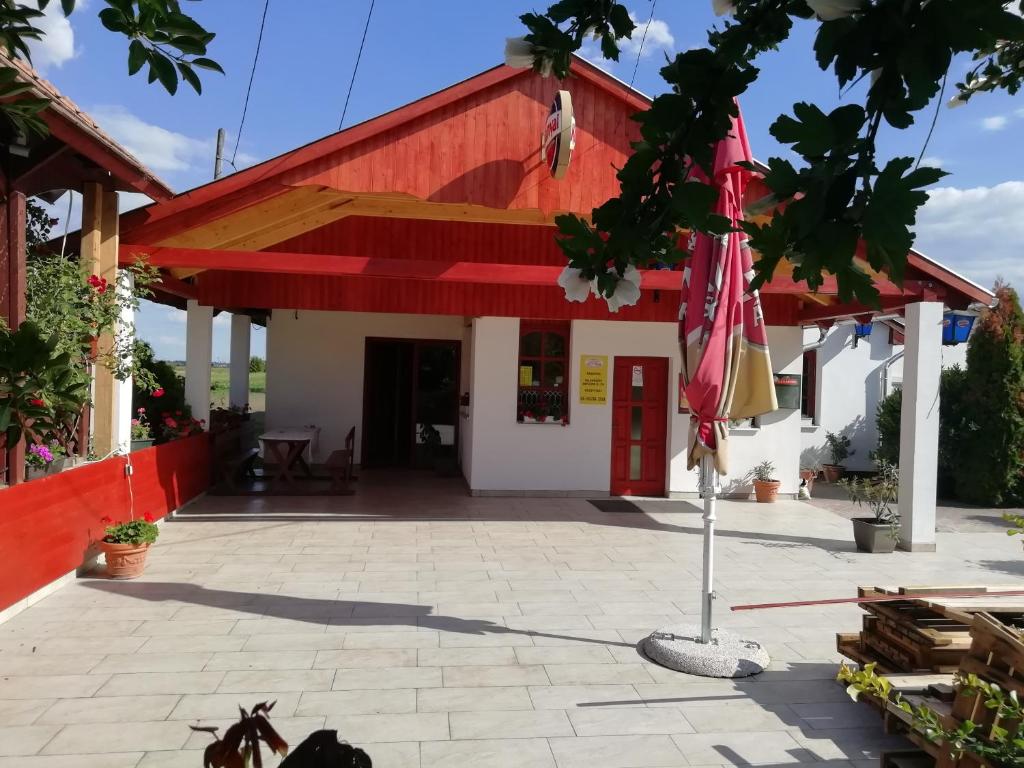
x=158, y=392
x=147, y=517
x=106, y=520
x=171, y=423
x=177, y=413
x=39, y=402
x=94, y=281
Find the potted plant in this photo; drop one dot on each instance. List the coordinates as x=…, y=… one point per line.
x=766, y=487
x=142, y=434
x=879, y=533
x=43, y=460
x=125, y=546
x=1017, y=521
x=839, y=447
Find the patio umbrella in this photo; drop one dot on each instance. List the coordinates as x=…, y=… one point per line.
x=726, y=369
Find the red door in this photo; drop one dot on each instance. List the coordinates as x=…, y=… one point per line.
x=639, y=426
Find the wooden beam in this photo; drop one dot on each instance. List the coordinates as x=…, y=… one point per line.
x=837, y=311
x=13, y=304
x=100, y=254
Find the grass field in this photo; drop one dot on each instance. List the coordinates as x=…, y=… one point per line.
x=219, y=387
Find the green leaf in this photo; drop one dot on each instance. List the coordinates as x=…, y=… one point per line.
x=137, y=56
x=210, y=64
x=114, y=20
x=810, y=131
x=165, y=71
x=68, y=6
x=190, y=77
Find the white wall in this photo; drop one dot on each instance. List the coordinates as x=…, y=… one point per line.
x=508, y=456
x=849, y=388
x=315, y=366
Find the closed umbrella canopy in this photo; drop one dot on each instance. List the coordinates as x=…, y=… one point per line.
x=726, y=367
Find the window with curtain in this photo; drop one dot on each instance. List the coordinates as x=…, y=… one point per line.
x=543, y=372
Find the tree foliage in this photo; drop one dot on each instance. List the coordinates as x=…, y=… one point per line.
x=839, y=193
x=954, y=421
x=990, y=455
x=169, y=44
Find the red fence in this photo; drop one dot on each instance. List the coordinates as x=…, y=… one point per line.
x=49, y=526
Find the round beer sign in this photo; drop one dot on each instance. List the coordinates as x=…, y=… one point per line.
x=559, y=136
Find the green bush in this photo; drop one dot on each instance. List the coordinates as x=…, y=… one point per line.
x=990, y=454
x=952, y=423
x=257, y=364
x=168, y=396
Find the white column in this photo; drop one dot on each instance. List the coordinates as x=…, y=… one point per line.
x=124, y=412
x=919, y=426
x=198, y=359
x=239, y=374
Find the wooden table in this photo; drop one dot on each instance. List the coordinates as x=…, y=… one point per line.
x=284, y=449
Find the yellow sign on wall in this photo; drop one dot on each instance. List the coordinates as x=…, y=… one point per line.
x=593, y=379
x=525, y=375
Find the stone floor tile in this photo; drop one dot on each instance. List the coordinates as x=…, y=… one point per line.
x=310, y=641
x=261, y=660
x=50, y=686
x=369, y=658
x=501, y=753
x=134, y=683
x=108, y=760
x=616, y=752
x=576, y=654
x=389, y=702
x=754, y=716
x=216, y=706
x=387, y=678
x=462, y=657
x=572, y=696
x=153, y=662
x=23, y=711
x=184, y=628
x=625, y=721
x=778, y=748
x=240, y=681
x=110, y=709
x=56, y=664
x=472, y=699
x=118, y=737
x=25, y=739
x=416, y=726
x=841, y=715
x=505, y=724
x=591, y=674
x=501, y=675
x=191, y=644
x=362, y=640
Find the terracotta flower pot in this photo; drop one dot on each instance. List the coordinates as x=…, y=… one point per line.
x=766, y=491
x=124, y=561
x=832, y=472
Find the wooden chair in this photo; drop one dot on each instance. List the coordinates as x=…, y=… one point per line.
x=341, y=463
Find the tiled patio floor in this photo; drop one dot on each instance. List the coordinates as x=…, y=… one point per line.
x=434, y=629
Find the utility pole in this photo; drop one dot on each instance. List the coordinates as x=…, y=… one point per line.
x=219, y=159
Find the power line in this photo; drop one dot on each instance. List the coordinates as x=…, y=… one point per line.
x=639, y=53
x=355, y=69
x=252, y=75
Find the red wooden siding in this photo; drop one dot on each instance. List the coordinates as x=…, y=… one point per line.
x=424, y=297
x=49, y=527
x=431, y=240
x=484, y=149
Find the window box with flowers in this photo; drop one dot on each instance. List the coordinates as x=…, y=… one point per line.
x=543, y=391
x=142, y=434
x=125, y=545
x=42, y=459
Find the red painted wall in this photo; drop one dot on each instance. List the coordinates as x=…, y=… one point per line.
x=50, y=526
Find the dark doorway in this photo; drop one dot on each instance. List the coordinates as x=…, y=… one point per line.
x=410, y=403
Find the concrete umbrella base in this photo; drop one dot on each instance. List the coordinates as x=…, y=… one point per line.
x=678, y=647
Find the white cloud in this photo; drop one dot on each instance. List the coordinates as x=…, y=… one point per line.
x=978, y=232
x=659, y=38
x=994, y=123
x=934, y=161
x=159, y=148
x=57, y=45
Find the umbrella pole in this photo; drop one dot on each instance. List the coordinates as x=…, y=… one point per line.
x=707, y=590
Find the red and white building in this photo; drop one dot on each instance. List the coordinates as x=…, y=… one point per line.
x=406, y=270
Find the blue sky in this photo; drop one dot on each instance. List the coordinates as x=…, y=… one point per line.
x=973, y=224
